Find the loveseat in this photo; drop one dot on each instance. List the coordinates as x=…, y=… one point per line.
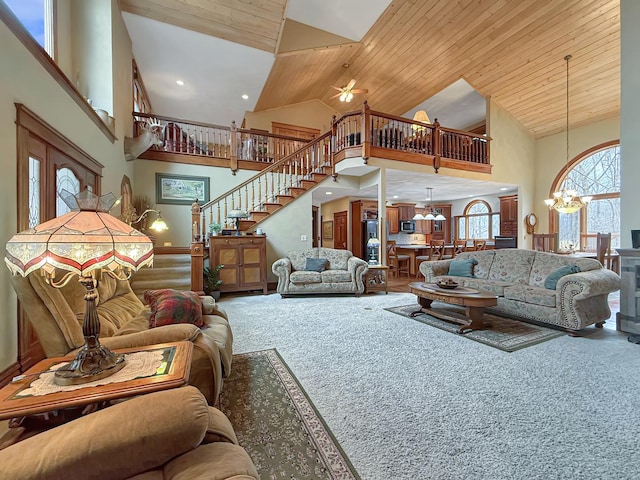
x=303, y=272
x=171, y=434
x=56, y=315
x=518, y=278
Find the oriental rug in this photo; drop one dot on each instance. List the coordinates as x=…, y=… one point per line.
x=277, y=424
x=502, y=333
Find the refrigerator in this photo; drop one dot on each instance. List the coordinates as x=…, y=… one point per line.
x=370, y=229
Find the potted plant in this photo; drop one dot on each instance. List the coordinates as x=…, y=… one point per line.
x=212, y=281
x=215, y=229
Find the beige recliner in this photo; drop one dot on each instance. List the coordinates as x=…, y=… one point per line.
x=171, y=434
x=57, y=314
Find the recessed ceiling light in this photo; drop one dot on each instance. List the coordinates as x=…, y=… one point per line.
x=245, y=97
x=396, y=196
x=504, y=188
x=180, y=82
x=469, y=196
x=328, y=193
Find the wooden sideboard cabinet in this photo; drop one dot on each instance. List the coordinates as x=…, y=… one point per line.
x=244, y=259
x=509, y=215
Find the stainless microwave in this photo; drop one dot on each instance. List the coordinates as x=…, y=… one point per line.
x=407, y=226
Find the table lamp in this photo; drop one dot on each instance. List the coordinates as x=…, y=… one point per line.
x=373, y=244
x=237, y=214
x=88, y=242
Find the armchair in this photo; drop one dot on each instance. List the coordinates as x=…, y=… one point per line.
x=167, y=434
x=341, y=273
x=56, y=316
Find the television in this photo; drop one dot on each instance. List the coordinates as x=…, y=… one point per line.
x=635, y=238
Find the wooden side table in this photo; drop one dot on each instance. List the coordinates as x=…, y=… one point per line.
x=376, y=279
x=174, y=372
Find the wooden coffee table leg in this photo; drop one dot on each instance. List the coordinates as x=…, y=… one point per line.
x=476, y=315
x=425, y=303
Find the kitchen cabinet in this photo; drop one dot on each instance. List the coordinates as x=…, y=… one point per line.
x=394, y=219
x=244, y=259
x=441, y=229
x=406, y=211
x=509, y=215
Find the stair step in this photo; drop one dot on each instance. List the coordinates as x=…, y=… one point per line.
x=318, y=177
x=271, y=207
x=284, y=199
x=297, y=191
x=257, y=216
x=307, y=184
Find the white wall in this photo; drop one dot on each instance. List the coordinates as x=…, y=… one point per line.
x=630, y=120
x=312, y=114
x=28, y=83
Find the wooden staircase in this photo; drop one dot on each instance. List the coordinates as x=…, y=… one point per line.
x=272, y=188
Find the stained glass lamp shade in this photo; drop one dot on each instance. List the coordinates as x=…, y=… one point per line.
x=87, y=242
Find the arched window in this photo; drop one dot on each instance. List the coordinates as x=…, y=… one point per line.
x=478, y=222
x=595, y=172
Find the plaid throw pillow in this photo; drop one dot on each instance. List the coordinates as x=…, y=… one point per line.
x=173, y=306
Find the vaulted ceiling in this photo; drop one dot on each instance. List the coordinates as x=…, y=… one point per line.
x=406, y=51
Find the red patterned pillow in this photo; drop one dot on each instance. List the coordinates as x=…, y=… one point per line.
x=173, y=306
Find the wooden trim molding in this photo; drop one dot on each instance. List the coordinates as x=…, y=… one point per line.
x=38, y=127
x=39, y=53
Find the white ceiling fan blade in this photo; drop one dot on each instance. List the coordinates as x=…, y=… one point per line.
x=350, y=84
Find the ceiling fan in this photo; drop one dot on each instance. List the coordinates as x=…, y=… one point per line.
x=346, y=93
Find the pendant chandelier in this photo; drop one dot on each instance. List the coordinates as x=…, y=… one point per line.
x=567, y=200
x=429, y=216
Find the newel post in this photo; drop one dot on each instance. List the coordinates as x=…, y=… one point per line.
x=234, y=148
x=332, y=146
x=366, y=131
x=437, y=145
x=197, y=249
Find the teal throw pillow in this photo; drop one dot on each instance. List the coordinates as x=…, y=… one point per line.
x=316, y=265
x=552, y=279
x=462, y=268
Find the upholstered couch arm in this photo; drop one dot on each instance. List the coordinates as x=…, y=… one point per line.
x=430, y=270
x=357, y=268
x=588, y=284
x=282, y=269
x=582, y=297
x=118, y=442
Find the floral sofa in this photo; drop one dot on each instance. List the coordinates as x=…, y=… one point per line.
x=518, y=278
x=342, y=272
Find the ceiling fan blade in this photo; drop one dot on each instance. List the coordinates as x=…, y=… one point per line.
x=337, y=88
x=360, y=90
x=350, y=84
x=336, y=95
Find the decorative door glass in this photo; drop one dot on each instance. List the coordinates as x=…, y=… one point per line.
x=65, y=180
x=34, y=192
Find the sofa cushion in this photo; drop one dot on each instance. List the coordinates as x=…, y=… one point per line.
x=494, y=286
x=512, y=265
x=545, y=263
x=299, y=257
x=338, y=259
x=529, y=294
x=484, y=259
x=301, y=277
x=462, y=268
x=552, y=279
x=336, y=276
x=173, y=306
x=316, y=265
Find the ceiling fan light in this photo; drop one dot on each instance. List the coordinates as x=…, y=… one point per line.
x=349, y=96
x=343, y=97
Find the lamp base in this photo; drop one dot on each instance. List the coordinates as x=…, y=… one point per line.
x=90, y=364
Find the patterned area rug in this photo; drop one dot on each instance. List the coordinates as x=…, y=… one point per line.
x=502, y=333
x=277, y=424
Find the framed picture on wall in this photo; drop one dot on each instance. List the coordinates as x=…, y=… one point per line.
x=181, y=189
x=327, y=230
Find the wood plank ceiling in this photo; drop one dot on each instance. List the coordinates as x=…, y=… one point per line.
x=510, y=50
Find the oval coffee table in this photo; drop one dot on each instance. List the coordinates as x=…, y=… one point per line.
x=473, y=300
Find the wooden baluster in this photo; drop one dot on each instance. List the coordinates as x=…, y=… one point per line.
x=234, y=148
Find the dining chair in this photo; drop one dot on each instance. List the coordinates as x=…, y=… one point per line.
x=603, y=247
x=459, y=246
x=545, y=242
x=397, y=263
x=479, y=245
